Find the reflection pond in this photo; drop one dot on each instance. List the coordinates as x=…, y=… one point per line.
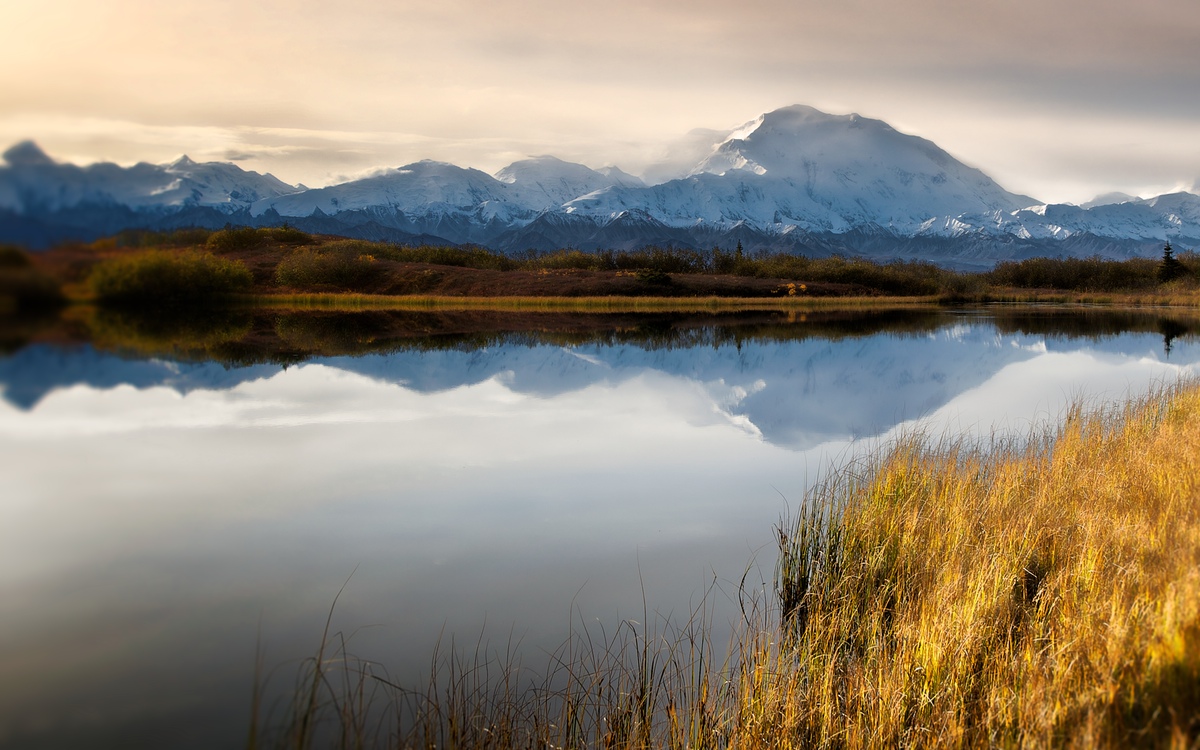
x=175, y=492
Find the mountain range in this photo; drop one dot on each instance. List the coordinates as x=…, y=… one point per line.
x=795, y=179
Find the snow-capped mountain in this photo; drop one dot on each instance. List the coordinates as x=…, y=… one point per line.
x=31, y=181
x=464, y=205
x=1174, y=216
x=793, y=179
x=859, y=168
x=548, y=181
x=43, y=202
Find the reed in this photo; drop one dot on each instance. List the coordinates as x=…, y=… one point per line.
x=1036, y=593
x=1041, y=591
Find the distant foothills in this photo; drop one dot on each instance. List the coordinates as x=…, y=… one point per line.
x=794, y=180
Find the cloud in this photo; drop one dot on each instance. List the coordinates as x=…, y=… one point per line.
x=373, y=83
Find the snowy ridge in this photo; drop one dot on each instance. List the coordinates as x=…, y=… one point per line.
x=547, y=181
x=424, y=187
x=792, y=179
x=32, y=181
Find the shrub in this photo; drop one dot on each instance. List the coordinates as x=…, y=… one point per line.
x=247, y=238
x=566, y=259
x=341, y=265
x=1076, y=274
x=164, y=278
x=145, y=238
x=287, y=235
x=666, y=260
x=463, y=257
x=899, y=277
x=236, y=238
x=653, y=276
x=14, y=257
x=23, y=287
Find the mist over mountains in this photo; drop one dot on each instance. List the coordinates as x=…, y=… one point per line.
x=795, y=179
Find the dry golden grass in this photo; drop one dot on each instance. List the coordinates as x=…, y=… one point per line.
x=1033, y=593
x=1169, y=296
x=1033, y=596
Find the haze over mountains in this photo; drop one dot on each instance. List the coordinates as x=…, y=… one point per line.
x=794, y=179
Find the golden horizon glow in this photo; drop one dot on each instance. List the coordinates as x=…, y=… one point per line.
x=1060, y=101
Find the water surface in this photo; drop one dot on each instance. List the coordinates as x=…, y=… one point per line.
x=162, y=504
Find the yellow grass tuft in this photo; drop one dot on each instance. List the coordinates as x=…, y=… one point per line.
x=1038, y=595
x=1034, y=593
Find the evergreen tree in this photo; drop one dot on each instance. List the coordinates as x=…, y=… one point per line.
x=1170, y=268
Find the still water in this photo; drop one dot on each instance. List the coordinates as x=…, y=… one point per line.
x=160, y=515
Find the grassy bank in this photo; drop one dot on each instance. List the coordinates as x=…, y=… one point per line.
x=281, y=264
x=612, y=304
x=1166, y=299
x=1042, y=592
x=1045, y=594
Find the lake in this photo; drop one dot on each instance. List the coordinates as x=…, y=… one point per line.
x=172, y=498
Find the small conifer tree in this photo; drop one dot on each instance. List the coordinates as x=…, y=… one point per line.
x=1170, y=268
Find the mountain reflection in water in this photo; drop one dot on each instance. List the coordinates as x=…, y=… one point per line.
x=167, y=485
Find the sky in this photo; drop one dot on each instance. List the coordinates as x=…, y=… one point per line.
x=1058, y=99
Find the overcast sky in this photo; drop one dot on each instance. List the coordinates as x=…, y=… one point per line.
x=1059, y=99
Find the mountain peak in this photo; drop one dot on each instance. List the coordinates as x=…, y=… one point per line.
x=27, y=154
x=1108, y=199
x=183, y=162
x=621, y=177
x=541, y=167
x=429, y=166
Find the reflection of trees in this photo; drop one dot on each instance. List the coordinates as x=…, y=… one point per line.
x=246, y=337
x=17, y=331
x=1171, y=330
x=1092, y=323
x=1098, y=323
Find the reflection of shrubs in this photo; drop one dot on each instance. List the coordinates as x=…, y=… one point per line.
x=178, y=332
x=333, y=333
x=169, y=279
x=23, y=287
x=342, y=265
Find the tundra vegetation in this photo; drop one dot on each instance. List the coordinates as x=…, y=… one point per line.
x=192, y=265
x=1041, y=591
x=23, y=287
x=159, y=278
